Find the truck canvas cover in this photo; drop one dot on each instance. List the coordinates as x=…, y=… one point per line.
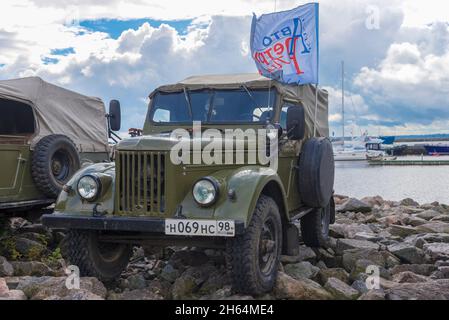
x=303, y=93
x=61, y=111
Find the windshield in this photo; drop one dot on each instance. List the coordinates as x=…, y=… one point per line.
x=213, y=106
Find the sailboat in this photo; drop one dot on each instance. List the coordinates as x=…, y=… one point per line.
x=358, y=148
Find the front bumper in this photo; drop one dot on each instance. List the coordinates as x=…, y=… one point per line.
x=129, y=224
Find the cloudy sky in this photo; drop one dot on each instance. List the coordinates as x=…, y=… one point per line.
x=397, y=75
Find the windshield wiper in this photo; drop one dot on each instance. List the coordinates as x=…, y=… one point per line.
x=253, y=99
x=186, y=95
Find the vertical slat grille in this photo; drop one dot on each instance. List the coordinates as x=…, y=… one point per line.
x=140, y=187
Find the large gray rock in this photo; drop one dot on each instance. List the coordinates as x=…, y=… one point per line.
x=305, y=254
x=338, y=273
x=29, y=248
x=402, y=231
x=348, y=244
x=409, y=202
x=432, y=290
x=380, y=258
x=188, y=284
x=428, y=214
x=409, y=277
x=301, y=270
x=349, y=231
x=442, y=218
x=437, y=251
x=303, y=289
x=434, y=227
x=6, y=269
x=6, y=294
x=354, y=205
x=40, y=288
x=373, y=295
x=31, y=268
x=408, y=253
x=421, y=269
x=340, y=290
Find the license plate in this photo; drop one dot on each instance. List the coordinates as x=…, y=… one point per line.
x=203, y=228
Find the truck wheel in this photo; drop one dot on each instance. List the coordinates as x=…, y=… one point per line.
x=315, y=227
x=54, y=161
x=105, y=261
x=253, y=258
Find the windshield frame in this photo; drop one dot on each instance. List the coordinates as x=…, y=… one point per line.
x=274, y=95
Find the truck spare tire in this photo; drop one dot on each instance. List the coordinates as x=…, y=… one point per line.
x=316, y=172
x=54, y=161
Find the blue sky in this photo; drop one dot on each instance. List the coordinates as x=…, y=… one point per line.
x=397, y=75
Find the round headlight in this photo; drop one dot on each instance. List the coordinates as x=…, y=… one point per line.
x=88, y=187
x=205, y=191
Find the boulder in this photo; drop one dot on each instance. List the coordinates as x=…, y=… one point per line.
x=441, y=273
x=40, y=288
x=302, y=289
x=338, y=273
x=379, y=258
x=437, y=251
x=134, y=282
x=414, y=221
x=434, y=227
x=431, y=290
x=31, y=268
x=373, y=201
x=340, y=290
x=428, y=214
x=29, y=248
x=301, y=270
x=402, y=231
x=368, y=236
x=409, y=277
x=6, y=269
x=354, y=205
x=408, y=253
x=409, y=203
x=421, y=269
x=169, y=273
x=305, y=254
x=187, y=285
x=347, y=244
x=442, y=218
x=76, y=295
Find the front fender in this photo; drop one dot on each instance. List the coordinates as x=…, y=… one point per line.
x=71, y=203
x=247, y=183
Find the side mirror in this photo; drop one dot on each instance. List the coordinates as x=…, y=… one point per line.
x=296, y=122
x=115, y=115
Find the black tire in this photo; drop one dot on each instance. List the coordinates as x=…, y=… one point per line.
x=315, y=227
x=105, y=261
x=316, y=172
x=54, y=161
x=251, y=272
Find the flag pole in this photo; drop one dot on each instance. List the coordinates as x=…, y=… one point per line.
x=318, y=68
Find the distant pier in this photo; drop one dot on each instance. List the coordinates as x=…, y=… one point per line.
x=415, y=162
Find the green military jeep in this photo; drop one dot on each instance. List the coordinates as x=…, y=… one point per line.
x=46, y=134
x=155, y=195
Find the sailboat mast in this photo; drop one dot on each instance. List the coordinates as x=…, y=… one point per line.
x=343, y=97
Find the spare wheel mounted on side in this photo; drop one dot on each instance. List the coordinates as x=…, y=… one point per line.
x=316, y=172
x=54, y=161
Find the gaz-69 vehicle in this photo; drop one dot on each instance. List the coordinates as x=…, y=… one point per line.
x=248, y=209
x=46, y=134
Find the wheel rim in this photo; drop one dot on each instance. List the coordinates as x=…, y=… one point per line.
x=268, y=247
x=60, y=166
x=324, y=222
x=110, y=252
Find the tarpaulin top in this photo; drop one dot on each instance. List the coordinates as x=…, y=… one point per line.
x=61, y=111
x=303, y=93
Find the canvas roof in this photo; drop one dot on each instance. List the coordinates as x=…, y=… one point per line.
x=61, y=111
x=303, y=93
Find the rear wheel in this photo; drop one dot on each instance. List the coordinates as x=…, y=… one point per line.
x=253, y=258
x=103, y=260
x=315, y=227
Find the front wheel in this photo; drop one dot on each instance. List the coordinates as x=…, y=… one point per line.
x=253, y=258
x=105, y=261
x=315, y=227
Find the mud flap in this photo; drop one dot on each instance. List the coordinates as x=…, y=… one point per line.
x=291, y=240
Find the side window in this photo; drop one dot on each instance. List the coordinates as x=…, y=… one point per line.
x=161, y=115
x=16, y=118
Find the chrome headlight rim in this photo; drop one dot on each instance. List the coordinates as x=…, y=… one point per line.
x=216, y=186
x=98, y=183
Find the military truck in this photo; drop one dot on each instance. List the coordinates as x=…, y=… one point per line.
x=47, y=133
x=249, y=210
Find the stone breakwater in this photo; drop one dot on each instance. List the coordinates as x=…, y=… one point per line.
x=407, y=244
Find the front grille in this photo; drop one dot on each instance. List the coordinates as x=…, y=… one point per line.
x=140, y=182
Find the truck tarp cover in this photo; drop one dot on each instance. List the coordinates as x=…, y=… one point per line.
x=60, y=111
x=303, y=93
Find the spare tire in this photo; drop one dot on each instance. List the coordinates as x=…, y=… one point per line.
x=316, y=171
x=54, y=161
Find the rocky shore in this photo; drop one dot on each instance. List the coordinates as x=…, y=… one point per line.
x=407, y=244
